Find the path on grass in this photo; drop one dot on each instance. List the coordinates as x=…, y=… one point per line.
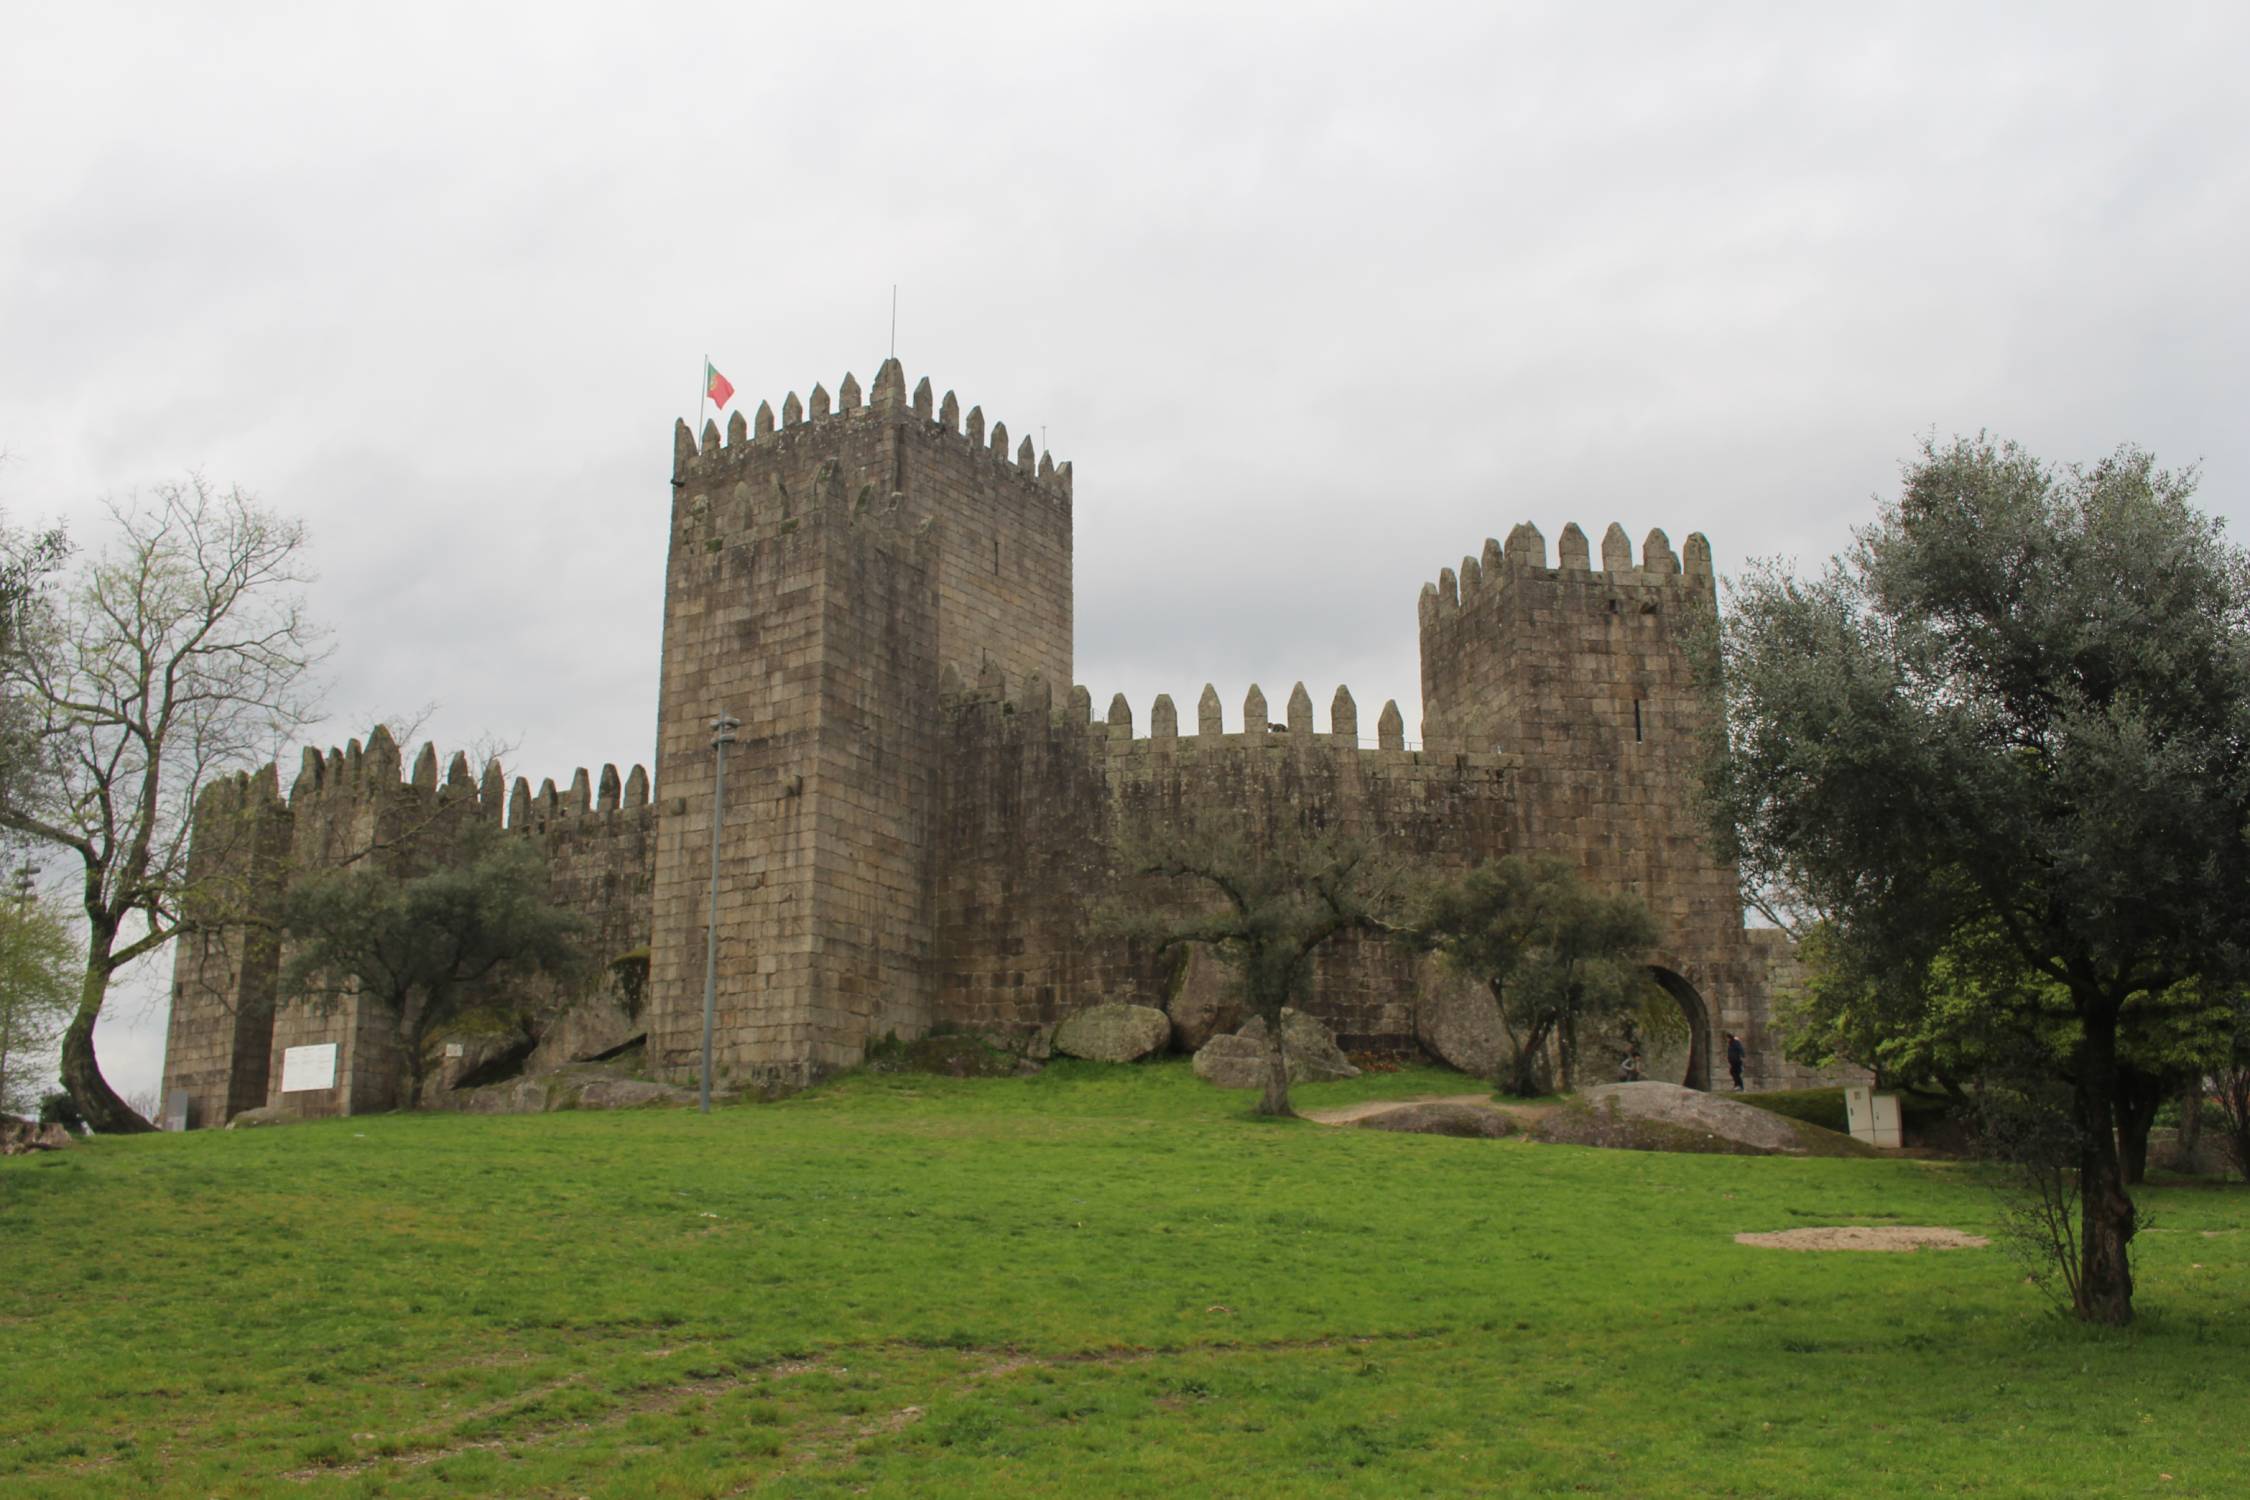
x=1525, y=1115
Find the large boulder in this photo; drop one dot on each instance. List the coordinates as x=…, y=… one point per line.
x=1113, y=1033
x=1203, y=1004
x=1312, y=1052
x=1233, y=1062
x=1667, y=1117
x=1458, y=1022
x=1239, y=1061
x=21, y=1137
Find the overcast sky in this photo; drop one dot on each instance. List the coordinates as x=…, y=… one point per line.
x=1316, y=298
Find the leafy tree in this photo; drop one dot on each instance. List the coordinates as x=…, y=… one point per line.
x=2229, y=1084
x=1265, y=905
x=434, y=951
x=38, y=989
x=1975, y=1014
x=1557, y=955
x=178, y=652
x=2004, y=736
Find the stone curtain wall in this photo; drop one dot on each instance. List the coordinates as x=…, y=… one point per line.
x=1034, y=796
x=356, y=804
x=822, y=568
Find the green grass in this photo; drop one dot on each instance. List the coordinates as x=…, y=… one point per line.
x=1095, y=1281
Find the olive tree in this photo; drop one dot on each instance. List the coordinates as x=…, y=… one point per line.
x=1556, y=954
x=176, y=651
x=431, y=951
x=2007, y=733
x=1265, y=901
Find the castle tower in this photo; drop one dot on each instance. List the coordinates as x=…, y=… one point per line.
x=823, y=571
x=1584, y=672
x=218, y=1044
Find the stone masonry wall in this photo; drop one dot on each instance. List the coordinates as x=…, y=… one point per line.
x=219, y=1035
x=916, y=834
x=821, y=570
x=353, y=805
x=1033, y=798
x=1584, y=675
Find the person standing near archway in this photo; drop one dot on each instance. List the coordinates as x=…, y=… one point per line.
x=1737, y=1054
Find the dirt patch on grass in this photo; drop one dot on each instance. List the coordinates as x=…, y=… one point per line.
x=1892, y=1237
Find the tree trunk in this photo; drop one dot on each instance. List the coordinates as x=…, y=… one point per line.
x=1276, y=1098
x=82, y=1072
x=2191, y=1122
x=2106, y=1217
x=1523, y=1080
x=2139, y=1097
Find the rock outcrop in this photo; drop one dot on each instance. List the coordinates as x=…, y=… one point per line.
x=1667, y=1117
x=21, y=1137
x=1204, y=1005
x=1113, y=1033
x=1458, y=1022
x=1239, y=1061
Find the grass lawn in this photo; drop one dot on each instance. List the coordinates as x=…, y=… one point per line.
x=1097, y=1281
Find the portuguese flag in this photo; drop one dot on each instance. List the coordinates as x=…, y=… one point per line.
x=716, y=386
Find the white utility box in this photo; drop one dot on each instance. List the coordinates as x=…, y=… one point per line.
x=1873, y=1117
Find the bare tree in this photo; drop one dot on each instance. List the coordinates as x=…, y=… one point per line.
x=179, y=651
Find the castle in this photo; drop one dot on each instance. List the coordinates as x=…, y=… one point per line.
x=919, y=804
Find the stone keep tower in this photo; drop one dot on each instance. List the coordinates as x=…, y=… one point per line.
x=823, y=571
x=1583, y=673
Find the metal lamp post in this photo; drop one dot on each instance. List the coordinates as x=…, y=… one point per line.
x=722, y=735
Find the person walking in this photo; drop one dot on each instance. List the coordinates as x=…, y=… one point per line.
x=1736, y=1054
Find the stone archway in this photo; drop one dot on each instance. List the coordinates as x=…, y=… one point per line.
x=1696, y=1072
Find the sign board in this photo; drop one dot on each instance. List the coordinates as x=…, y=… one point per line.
x=1859, y=1112
x=307, y=1068
x=176, y=1115
x=455, y=1049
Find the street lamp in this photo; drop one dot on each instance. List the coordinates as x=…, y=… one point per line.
x=722, y=735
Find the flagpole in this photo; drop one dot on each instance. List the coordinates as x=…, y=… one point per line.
x=702, y=394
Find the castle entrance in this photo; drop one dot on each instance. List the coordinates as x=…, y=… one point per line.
x=1690, y=1064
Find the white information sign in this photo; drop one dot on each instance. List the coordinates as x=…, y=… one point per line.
x=307, y=1068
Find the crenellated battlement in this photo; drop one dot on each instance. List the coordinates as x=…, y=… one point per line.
x=1524, y=558
x=1033, y=703
x=374, y=775
x=810, y=424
